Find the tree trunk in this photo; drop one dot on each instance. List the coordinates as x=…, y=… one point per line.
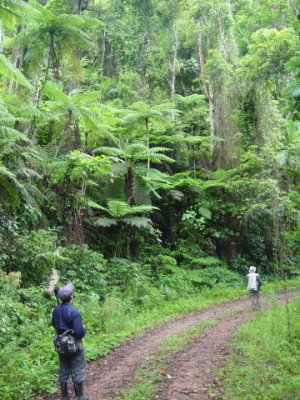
x=77, y=136
x=17, y=56
x=147, y=140
x=65, y=134
x=102, y=63
x=296, y=9
x=39, y=93
x=1, y=37
x=76, y=231
x=173, y=83
x=129, y=186
x=207, y=89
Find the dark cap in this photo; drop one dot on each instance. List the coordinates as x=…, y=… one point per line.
x=66, y=292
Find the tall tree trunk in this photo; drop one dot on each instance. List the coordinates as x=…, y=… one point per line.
x=147, y=140
x=1, y=36
x=17, y=56
x=173, y=82
x=207, y=88
x=39, y=93
x=102, y=63
x=77, y=136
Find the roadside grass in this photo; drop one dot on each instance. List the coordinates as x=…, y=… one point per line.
x=266, y=357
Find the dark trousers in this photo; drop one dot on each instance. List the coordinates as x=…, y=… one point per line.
x=254, y=297
x=74, y=363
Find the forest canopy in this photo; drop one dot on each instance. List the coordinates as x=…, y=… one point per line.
x=135, y=128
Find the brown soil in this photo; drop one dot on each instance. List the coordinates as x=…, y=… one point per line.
x=191, y=371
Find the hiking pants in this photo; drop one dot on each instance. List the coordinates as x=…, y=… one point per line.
x=254, y=297
x=73, y=363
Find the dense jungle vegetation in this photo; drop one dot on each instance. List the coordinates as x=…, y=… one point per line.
x=149, y=149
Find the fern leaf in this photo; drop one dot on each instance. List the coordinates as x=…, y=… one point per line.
x=10, y=71
x=137, y=222
x=177, y=194
x=105, y=222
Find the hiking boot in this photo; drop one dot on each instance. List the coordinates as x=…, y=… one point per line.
x=79, y=392
x=64, y=391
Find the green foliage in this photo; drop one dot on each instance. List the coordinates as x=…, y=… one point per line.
x=269, y=52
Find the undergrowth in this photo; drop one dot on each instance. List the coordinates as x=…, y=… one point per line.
x=266, y=361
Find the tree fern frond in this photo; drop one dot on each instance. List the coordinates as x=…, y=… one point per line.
x=85, y=98
x=109, y=151
x=105, y=222
x=27, y=173
x=11, y=135
x=10, y=71
x=5, y=172
x=137, y=222
x=93, y=204
x=135, y=150
x=118, y=208
x=177, y=194
x=154, y=150
x=54, y=92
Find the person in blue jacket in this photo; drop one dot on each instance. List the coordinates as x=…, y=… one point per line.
x=65, y=317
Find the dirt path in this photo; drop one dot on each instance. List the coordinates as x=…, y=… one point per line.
x=192, y=370
x=109, y=375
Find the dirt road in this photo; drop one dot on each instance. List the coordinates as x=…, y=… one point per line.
x=191, y=371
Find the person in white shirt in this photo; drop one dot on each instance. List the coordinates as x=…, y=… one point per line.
x=253, y=283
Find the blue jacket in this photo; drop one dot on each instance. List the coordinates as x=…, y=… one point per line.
x=65, y=317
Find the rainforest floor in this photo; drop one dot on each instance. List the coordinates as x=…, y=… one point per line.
x=190, y=372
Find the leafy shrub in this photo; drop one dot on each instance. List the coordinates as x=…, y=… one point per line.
x=121, y=271
x=212, y=275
